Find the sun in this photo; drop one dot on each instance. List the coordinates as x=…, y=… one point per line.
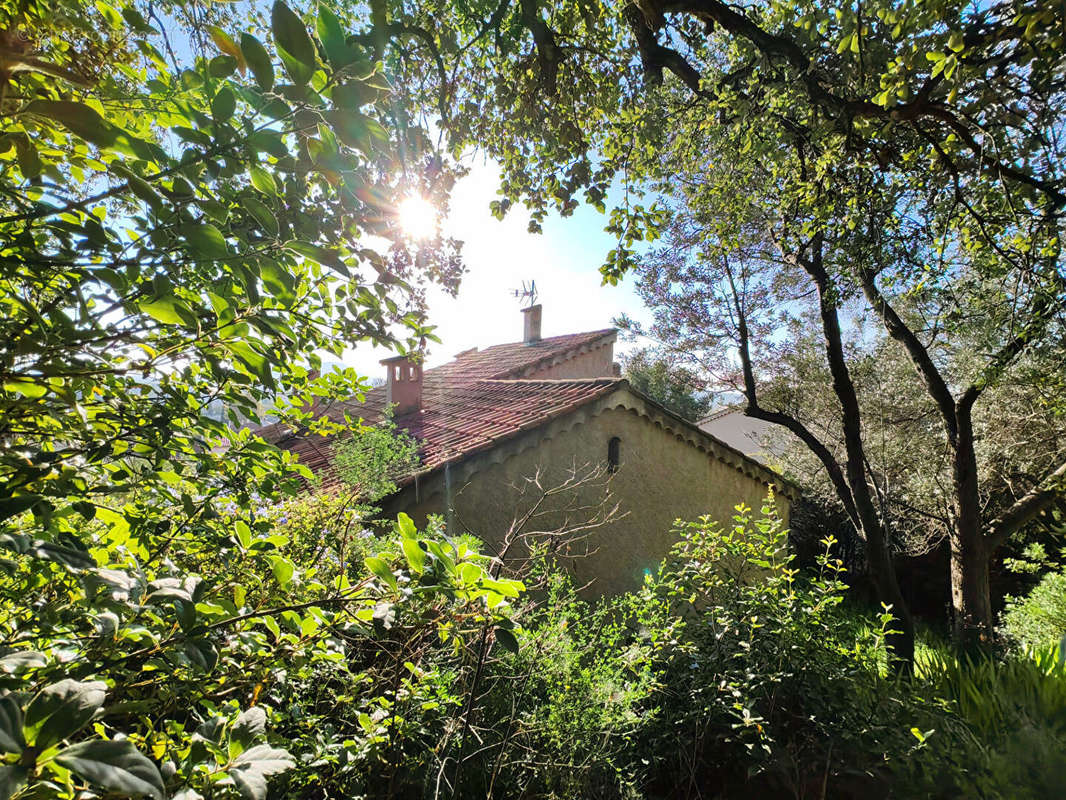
x=418, y=217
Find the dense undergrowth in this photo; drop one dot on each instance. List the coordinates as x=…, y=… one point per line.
x=306, y=656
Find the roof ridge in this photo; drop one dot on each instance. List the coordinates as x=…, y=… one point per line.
x=479, y=361
x=720, y=412
x=598, y=332
x=607, y=378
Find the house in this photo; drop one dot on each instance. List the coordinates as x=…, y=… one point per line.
x=755, y=438
x=542, y=438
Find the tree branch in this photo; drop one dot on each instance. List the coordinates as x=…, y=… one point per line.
x=1027, y=508
x=754, y=410
x=919, y=355
x=814, y=82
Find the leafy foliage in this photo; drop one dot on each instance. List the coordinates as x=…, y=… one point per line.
x=1038, y=620
x=178, y=236
x=370, y=460
x=185, y=237
x=676, y=387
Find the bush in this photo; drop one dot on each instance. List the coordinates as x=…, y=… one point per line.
x=1038, y=619
x=234, y=659
x=725, y=673
x=769, y=689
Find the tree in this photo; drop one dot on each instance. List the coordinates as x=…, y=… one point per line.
x=734, y=272
x=676, y=387
x=177, y=232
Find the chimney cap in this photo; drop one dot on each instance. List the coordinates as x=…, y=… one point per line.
x=414, y=358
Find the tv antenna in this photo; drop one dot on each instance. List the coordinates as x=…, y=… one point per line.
x=527, y=292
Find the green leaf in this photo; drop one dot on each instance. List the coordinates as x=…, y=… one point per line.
x=380, y=567
x=202, y=653
x=244, y=533
x=12, y=776
x=222, y=66
x=76, y=560
x=416, y=556
x=271, y=625
x=277, y=279
x=506, y=588
x=507, y=640
x=78, y=118
x=295, y=47
x=353, y=95
x=283, y=569
x=140, y=188
x=22, y=661
x=406, y=526
x=252, y=767
x=205, y=240
x=27, y=388
x=263, y=180
x=331, y=34
x=29, y=159
x=224, y=104
x=168, y=310
x=262, y=214
x=323, y=255
x=11, y=738
x=258, y=61
x=250, y=725
x=470, y=573
x=114, y=765
x=352, y=128
x=61, y=710
x=191, y=79
x=252, y=358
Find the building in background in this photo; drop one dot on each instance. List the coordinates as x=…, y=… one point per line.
x=755, y=438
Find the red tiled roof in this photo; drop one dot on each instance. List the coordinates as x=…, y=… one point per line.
x=469, y=403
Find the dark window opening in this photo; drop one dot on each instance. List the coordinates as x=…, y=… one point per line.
x=614, y=454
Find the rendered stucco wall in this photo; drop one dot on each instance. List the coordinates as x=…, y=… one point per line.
x=596, y=363
x=661, y=477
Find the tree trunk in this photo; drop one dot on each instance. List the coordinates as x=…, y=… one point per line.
x=883, y=575
x=878, y=554
x=971, y=596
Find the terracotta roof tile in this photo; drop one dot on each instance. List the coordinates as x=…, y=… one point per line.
x=470, y=403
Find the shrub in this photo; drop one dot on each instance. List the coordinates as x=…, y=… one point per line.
x=768, y=686
x=1038, y=619
x=725, y=673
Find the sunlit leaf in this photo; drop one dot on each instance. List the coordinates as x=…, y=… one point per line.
x=252, y=767
x=78, y=118
x=61, y=710
x=258, y=60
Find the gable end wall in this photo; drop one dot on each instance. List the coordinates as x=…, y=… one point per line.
x=593, y=362
x=667, y=472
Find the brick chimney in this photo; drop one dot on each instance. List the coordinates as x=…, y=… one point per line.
x=403, y=386
x=531, y=326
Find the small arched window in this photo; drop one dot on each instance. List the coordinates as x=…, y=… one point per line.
x=614, y=454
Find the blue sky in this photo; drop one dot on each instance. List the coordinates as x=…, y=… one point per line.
x=564, y=260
